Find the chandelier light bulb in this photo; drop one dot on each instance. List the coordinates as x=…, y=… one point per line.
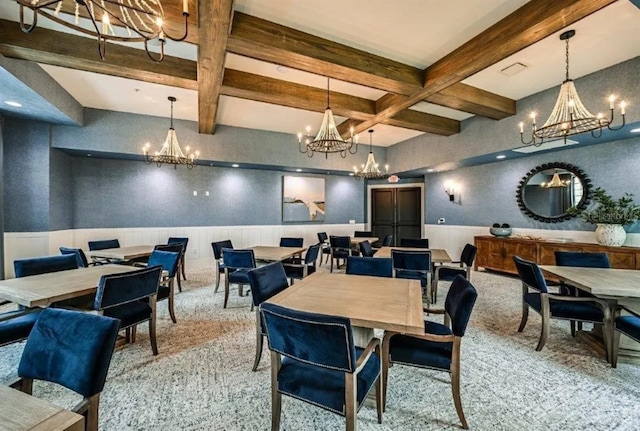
x=612, y=100
x=623, y=105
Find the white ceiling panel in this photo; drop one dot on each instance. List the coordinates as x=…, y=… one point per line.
x=442, y=111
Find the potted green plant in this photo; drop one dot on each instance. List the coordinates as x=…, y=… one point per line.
x=610, y=215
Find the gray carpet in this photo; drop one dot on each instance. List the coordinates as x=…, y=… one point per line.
x=202, y=378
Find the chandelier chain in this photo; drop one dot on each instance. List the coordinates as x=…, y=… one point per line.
x=567, y=59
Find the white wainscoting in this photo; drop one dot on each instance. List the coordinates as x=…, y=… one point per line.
x=453, y=238
x=19, y=245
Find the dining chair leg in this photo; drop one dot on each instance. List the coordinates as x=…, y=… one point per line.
x=134, y=333
x=385, y=366
x=184, y=276
x=152, y=325
x=226, y=288
x=546, y=317
x=127, y=335
x=572, y=324
x=179, y=284
x=615, y=346
x=350, y=402
x=455, y=382
x=379, y=398
x=259, y=341
x=525, y=316
x=91, y=415
x=171, y=301
x=276, y=397
x=217, y=280
x=331, y=269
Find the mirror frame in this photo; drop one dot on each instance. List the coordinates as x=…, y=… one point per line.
x=584, y=179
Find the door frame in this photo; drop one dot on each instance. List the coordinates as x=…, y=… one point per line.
x=370, y=187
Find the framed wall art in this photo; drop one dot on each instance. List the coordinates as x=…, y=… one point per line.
x=302, y=199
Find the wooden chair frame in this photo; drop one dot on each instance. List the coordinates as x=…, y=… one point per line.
x=433, y=296
x=616, y=335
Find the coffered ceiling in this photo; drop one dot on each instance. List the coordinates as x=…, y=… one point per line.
x=403, y=67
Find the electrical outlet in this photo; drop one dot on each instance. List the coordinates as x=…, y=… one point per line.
x=206, y=193
x=441, y=220
x=194, y=251
x=195, y=193
x=352, y=222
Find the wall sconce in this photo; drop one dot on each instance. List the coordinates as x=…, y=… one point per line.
x=449, y=189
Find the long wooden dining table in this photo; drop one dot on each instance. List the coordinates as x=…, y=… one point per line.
x=275, y=254
x=123, y=253
x=437, y=255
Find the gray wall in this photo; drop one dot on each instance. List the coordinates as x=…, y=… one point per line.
x=61, y=192
x=487, y=192
x=123, y=193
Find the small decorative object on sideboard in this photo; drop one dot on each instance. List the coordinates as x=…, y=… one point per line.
x=610, y=216
x=500, y=230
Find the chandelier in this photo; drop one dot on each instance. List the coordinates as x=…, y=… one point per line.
x=569, y=116
x=143, y=20
x=171, y=152
x=556, y=182
x=370, y=170
x=328, y=139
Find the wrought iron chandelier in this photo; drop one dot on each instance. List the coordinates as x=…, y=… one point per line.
x=328, y=139
x=171, y=152
x=370, y=170
x=569, y=116
x=142, y=20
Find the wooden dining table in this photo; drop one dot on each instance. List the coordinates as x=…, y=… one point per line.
x=355, y=240
x=44, y=289
x=437, y=255
x=275, y=254
x=23, y=412
x=123, y=253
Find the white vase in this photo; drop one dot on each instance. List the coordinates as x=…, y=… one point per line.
x=612, y=235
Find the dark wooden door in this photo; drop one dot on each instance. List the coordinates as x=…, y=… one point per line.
x=396, y=211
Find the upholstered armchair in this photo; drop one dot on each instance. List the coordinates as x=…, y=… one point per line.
x=535, y=295
x=170, y=262
x=414, y=265
x=182, y=241
x=449, y=272
x=374, y=266
x=130, y=297
x=314, y=359
x=266, y=282
x=72, y=349
x=323, y=239
x=79, y=254
x=217, y=255
x=386, y=242
x=363, y=234
x=366, y=249
x=439, y=347
x=340, y=249
x=176, y=247
x=43, y=265
x=298, y=271
x=236, y=265
x=103, y=245
x=628, y=325
x=414, y=242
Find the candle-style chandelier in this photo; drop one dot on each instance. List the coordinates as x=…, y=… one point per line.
x=328, y=139
x=113, y=20
x=171, y=152
x=570, y=116
x=371, y=170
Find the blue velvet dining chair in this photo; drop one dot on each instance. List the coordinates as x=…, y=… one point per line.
x=43, y=265
x=79, y=254
x=266, y=282
x=414, y=242
x=439, y=347
x=374, y=266
x=535, y=295
x=298, y=271
x=74, y=350
x=175, y=247
x=362, y=234
x=314, y=359
x=450, y=271
x=366, y=249
x=130, y=297
x=340, y=247
x=170, y=262
x=323, y=239
x=291, y=242
x=236, y=265
x=414, y=265
x=386, y=242
x=217, y=255
x=628, y=325
x=103, y=245
x=184, y=241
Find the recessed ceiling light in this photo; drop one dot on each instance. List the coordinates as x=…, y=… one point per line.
x=501, y=156
x=89, y=154
x=430, y=170
x=298, y=170
x=635, y=130
x=235, y=165
x=12, y=103
x=282, y=69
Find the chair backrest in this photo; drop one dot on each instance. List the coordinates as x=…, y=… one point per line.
x=322, y=237
x=236, y=259
x=530, y=274
x=168, y=260
x=414, y=242
x=376, y=266
x=267, y=281
x=117, y=289
x=315, y=339
x=312, y=254
x=419, y=261
x=179, y=240
x=459, y=304
x=78, y=253
x=104, y=244
x=43, y=265
x=291, y=242
x=70, y=348
x=363, y=234
x=218, y=246
x=366, y=249
x=174, y=248
x=468, y=254
x=580, y=259
x=386, y=242
x=340, y=241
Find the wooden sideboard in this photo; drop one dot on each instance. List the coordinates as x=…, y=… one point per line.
x=497, y=253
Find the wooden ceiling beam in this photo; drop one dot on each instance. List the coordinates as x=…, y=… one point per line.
x=214, y=24
x=474, y=100
x=81, y=53
x=531, y=23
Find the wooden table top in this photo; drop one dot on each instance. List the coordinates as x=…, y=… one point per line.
x=437, y=255
x=355, y=240
x=275, y=254
x=44, y=289
x=392, y=304
x=123, y=253
x=22, y=412
x=601, y=282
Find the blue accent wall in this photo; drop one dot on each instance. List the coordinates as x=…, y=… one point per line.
x=61, y=190
x=487, y=192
